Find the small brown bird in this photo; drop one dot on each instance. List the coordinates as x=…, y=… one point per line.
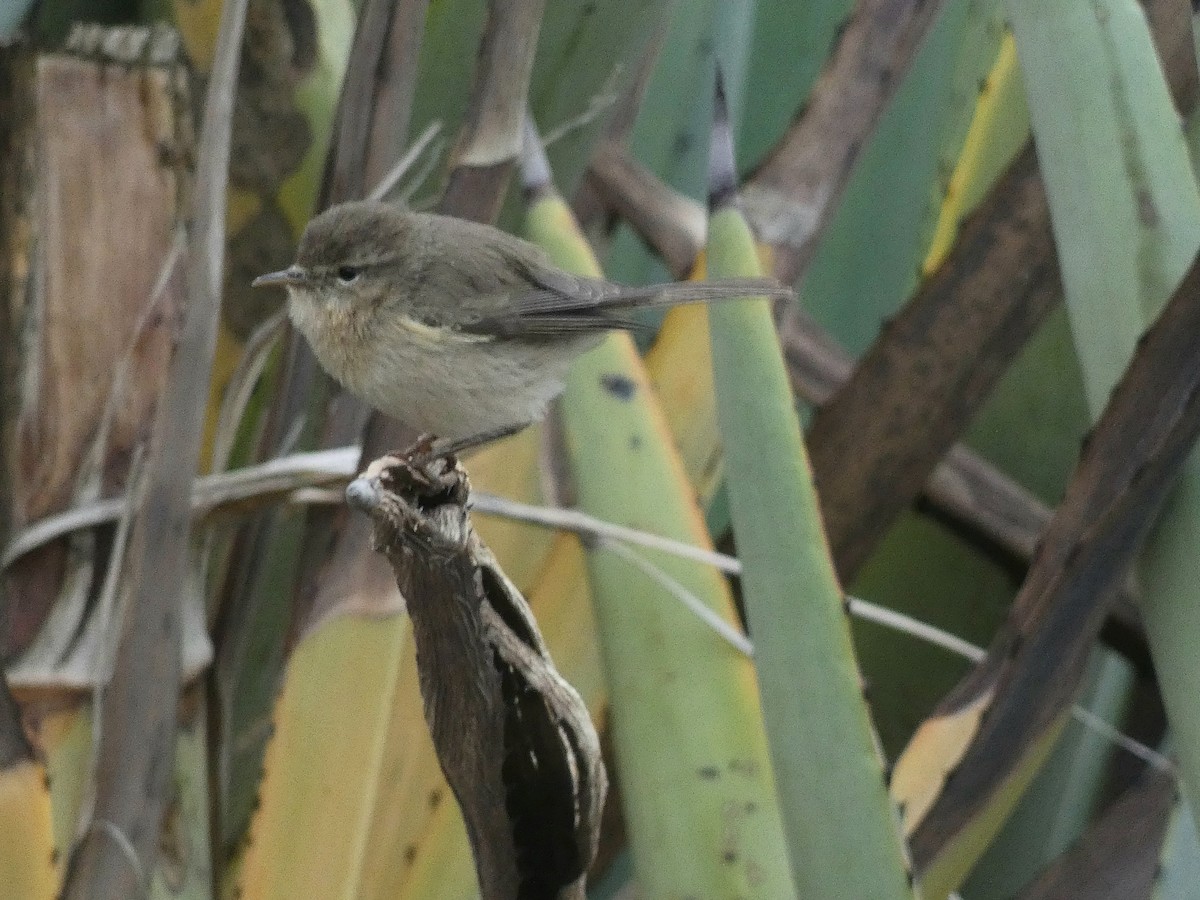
x=456, y=328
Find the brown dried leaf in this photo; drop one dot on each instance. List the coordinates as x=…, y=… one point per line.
x=1033, y=667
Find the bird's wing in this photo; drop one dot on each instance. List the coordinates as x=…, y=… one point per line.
x=551, y=302
x=507, y=287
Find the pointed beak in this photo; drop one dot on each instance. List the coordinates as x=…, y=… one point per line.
x=291, y=275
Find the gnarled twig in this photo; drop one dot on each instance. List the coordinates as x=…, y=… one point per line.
x=514, y=739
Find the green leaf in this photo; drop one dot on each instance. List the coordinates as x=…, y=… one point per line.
x=842, y=831
x=692, y=760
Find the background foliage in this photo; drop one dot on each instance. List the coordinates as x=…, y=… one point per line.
x=301, y=762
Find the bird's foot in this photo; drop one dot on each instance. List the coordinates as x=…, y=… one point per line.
x=428, y=481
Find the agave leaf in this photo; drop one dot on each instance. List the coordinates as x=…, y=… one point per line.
x=802, y=637
x=691, y=756
x=998, y=130
x=328, y=753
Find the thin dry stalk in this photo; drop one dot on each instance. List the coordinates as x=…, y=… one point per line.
x=377, y=95
x=493, y=129
x=139, y=707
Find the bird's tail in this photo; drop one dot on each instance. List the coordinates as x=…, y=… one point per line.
x=680, y=292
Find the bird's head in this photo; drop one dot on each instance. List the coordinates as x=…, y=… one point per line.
x=349, y=257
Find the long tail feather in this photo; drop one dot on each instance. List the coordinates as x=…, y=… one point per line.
x=696, y=292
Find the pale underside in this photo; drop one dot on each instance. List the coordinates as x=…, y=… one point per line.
x=441, y=381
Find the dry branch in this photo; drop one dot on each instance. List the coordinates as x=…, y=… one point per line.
x=1033, y=668
x=792, y=195
x=513, y=738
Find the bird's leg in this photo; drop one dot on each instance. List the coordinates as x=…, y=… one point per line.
x=427, y=449
x=440, y=448
x=419, y=449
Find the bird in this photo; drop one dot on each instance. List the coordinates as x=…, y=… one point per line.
x=459, y=329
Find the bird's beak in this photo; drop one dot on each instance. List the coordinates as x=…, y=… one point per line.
x=291, y=275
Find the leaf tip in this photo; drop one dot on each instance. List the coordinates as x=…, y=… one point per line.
x=722, y=165
x=536, y=177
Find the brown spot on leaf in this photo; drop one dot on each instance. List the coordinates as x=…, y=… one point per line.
x=1147, y=210
x=620, y=386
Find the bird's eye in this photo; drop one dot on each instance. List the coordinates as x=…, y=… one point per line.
x=347, y=274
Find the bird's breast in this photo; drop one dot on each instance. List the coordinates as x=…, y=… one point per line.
x=438, y=380
x=338, y=333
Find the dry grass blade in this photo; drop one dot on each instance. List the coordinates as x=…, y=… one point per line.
x=494, y=126
x=244, y=489
x=625, y=111
x=1035, y=663
x=136, y=744
x=238, y=390
x=792, y=195
x=728, y=633
x=404, y=165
